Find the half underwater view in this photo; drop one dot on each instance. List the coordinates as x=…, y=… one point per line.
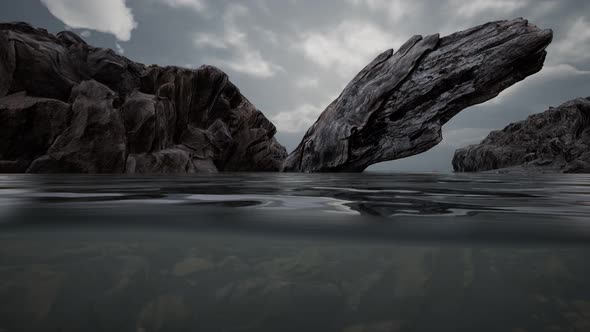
x=294, y=166
x=276, y=252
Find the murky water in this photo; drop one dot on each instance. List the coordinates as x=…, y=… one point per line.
x=295, y=252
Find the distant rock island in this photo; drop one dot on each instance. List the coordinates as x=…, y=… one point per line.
x=68, y=107
x=557, y=140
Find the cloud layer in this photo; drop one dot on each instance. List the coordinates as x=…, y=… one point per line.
x=108, y=16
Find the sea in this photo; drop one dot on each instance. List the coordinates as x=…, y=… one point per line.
x=371, y=252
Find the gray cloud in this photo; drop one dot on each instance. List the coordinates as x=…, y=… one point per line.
x=292, y=58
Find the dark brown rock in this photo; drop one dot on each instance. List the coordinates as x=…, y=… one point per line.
x=79, y=108
x=557, y=140
x=396, y=106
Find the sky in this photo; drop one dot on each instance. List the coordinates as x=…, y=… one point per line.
x=291, y=58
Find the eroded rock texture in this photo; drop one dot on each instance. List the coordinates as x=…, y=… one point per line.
x=68, y=107
x=555, y=140
x=395, y=107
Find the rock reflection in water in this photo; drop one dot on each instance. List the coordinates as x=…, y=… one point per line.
x=166, y=281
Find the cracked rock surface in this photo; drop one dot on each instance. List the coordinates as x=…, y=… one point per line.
x=395, y=107
x=68, y=107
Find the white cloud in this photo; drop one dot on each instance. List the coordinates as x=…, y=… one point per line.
x=245, y=58
x=119, y=49
x=197, y=5
x=252, y=63
x=108, y=16
x=297, y=120
x=473, y=8
x=347, y=47
x=86, y=33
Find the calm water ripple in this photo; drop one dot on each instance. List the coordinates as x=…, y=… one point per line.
x=295, y=252
x=494, y=207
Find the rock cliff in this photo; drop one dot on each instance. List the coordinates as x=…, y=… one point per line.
x=68, y=107
x=555, y=140
x=395, y=107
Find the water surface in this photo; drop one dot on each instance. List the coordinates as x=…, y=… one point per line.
x=295, y=252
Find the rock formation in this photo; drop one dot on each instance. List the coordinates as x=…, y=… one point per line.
x=555, y=140
x=68, y=107
x=395, y=107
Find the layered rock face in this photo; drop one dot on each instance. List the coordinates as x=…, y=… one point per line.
x=555, y=140
x=395, y=107
x=68, y=107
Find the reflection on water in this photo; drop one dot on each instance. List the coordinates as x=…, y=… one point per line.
x=284, y=252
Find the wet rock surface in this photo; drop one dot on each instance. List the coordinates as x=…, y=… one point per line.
x=557, y=140
x=395, y=107
x=68, y=107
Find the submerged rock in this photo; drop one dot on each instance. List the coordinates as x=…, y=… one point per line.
x=68, y=107
x=395, y=107
x=557, y=140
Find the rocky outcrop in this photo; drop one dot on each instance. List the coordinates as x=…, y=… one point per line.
x=555, y=140
x=395, y=107
x=66, y=106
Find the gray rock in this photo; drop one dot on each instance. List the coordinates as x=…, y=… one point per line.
x=79, y=108
x=7, y=64
x=28, y=127
x=199, y=141
x=557, y=140
x=94, y=142
x=396, y=106
x=150, y=122
x=169, y=161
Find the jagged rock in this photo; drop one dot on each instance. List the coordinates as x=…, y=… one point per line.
x=120, y=115
x=150, y=122
x=28, y=127
x=94, y=142
x=395, y=107
x=555, y=140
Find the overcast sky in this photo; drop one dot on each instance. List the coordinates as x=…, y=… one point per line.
x=291, y=58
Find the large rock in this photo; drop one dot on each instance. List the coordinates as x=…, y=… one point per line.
x=94, y=142
x=69, y=107
x=555, y=140
x=28, y=127
x=395, y=107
